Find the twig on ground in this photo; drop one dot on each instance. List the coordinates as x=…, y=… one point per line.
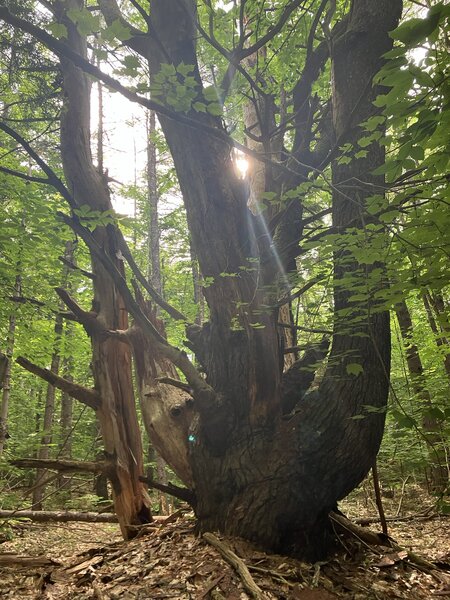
x=238, y=565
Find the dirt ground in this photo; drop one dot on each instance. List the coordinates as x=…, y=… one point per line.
x=167, y=560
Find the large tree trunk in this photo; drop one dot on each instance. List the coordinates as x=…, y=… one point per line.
x=256, y=474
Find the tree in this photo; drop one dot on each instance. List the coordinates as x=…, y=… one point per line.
x=255, y=465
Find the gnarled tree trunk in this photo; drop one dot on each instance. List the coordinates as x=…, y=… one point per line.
x=257, y=474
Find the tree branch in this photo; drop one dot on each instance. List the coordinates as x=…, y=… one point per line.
x=172, y=311
x=307, y=329
x=299, y=292
x=87, y=318
x=242, y=53
x=175, y=383
x=53, y=180
x=173, y=490
x=85, y=395
x=75, y=267
x=29, y=178
x=204, y=392
x=61, y=49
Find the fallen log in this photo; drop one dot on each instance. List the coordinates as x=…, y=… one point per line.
x=9, y=559
x=45, y=516
x=61, y=465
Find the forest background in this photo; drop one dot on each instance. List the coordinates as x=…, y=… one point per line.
x=408, y=235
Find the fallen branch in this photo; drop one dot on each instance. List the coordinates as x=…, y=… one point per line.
x=238, y=565
x=365, y=535
x=61, y=465
x=372, y=538
x=45, y=516
x=10, y=559
x=423, y=514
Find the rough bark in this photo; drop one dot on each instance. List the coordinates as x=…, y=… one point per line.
x=441, y=342
x=262, y=477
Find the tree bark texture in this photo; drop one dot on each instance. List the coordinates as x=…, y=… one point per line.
x=256, y=474
x=433, y=312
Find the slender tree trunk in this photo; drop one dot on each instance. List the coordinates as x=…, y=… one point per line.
x=66, y=421
x=6, y=370
x=100, y=126
x=442, y=342
x=431, y=426
x=3, y=368
x=66, y=411
x=154, y=262
x=47, y=422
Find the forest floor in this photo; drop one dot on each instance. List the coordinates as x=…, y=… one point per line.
x=167, y=560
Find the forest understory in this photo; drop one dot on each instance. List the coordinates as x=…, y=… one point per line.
x=167, y=560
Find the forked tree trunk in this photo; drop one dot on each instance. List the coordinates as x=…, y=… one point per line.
x=256, y=474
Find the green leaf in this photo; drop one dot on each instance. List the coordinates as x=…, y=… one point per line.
x=210, y=93
x=131, y=62
x=214, y=109
x=185, y=69
x=374, y=122
x=199, y=106
x=116, y=31
x=415, y=30
x=168, y=69
x=354, y=369
x=58, y=30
